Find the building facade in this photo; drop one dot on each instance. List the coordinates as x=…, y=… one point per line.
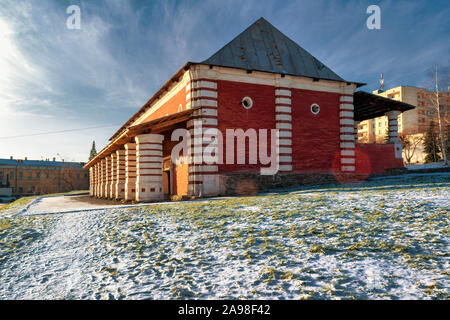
x=261, y=87
x=34, y=177
x=412, y=123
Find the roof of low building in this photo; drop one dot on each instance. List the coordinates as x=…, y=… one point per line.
x=370, y=106
x=39, y=163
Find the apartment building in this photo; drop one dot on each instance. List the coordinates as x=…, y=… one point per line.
x=413, y=122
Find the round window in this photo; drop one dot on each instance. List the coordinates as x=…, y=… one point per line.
x=315, y=108
x=247, y=102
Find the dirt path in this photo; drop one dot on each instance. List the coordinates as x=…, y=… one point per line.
x=64, y=204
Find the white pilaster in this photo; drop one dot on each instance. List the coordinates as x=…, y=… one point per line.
x=120, y=174
x=130, y=171
x=149, y=161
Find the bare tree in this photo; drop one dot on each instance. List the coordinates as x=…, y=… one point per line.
x=409, y=145
x=439, y=100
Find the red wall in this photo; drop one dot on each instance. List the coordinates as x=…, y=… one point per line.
x=376, y=158
x=231, y=115
x=171, y=106
x=315, y=138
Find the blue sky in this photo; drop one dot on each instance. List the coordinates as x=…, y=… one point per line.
x=55, y=79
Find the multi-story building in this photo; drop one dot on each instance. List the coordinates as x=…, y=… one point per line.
x=412, y=123
x=31, y=177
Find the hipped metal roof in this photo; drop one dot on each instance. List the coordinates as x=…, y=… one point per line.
x=262, y=47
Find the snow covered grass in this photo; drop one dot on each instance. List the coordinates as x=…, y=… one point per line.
x=384, y=239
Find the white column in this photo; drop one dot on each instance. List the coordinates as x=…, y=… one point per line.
x=283, y=122
x=91, y=181
x=113, y=176
x=120, y=172
x=347, y=133
x=107, y=176
x=393, y=132
x=130, y=171
x=203, y=177
x=99, y=179
x=102, y=178
x=96, y=179
x=149, y=162
x=393, y=125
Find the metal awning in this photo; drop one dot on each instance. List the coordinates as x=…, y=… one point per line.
x=369, y=106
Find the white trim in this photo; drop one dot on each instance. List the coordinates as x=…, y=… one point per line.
x=346, y=114
x=272, y=79
x=347, y=121
x=282, y=125
x=347, y=137
x=283, y=117
x=346, y=99
x=204, y=93
x=285, y=134
x=285, y=167
x=348, y=160
x=347, y=152
x=347, y=129
x=347, y=145
x=282, y=92
x=285, y=150
x=348, y=168
x=347, y=106
x=285, y=159
x=204, y=84
x=282, y=109
x=282, y=101
x=284, y=142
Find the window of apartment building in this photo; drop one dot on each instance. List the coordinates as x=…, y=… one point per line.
x=11, y=174
x=30, y=175
x=38, y=174
x=47, y=174
x=20, y=175
x=20, y=188
x=1, y=175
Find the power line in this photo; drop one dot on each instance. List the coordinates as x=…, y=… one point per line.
x=61, y=131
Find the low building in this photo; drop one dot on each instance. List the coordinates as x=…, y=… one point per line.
x=262, y=112
x=33, y=177
x=412, y=123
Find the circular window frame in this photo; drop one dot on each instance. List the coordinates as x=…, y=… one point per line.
x=312, y=109
x=249, y=103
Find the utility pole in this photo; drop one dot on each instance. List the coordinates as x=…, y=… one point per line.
x=444, y=154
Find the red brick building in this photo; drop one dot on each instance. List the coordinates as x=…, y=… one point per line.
x=260, y=80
